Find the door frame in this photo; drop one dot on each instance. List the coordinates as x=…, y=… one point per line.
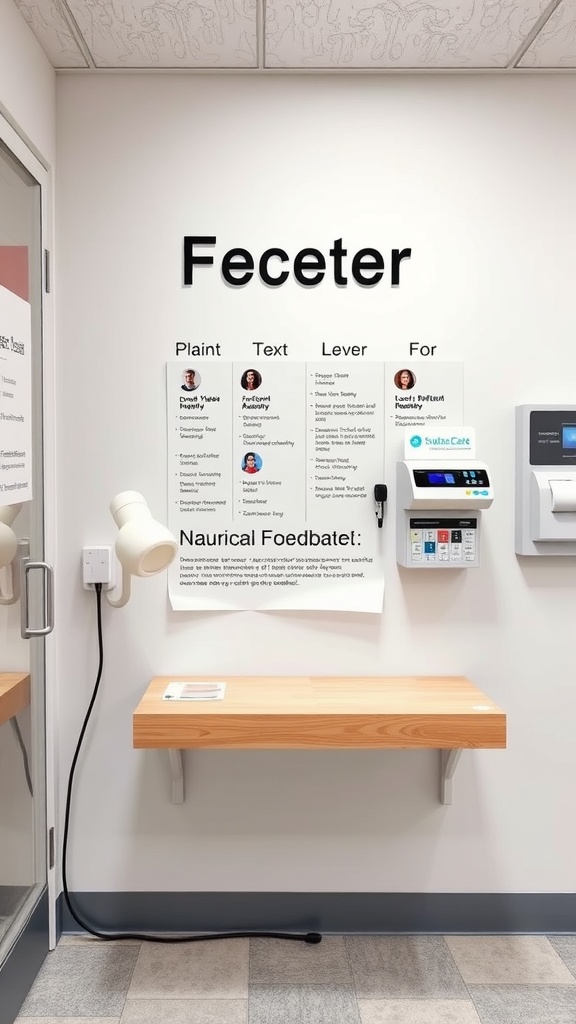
x=42, y=173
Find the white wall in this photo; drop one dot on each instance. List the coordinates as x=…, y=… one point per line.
x=27, y=83
x=477, y=175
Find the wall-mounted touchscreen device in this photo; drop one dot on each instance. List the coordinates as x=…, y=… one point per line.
x=443, y=535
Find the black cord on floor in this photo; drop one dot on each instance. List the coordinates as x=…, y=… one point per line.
x=310, y=937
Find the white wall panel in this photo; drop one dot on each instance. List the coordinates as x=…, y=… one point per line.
x=460, y=171
x=27, y=81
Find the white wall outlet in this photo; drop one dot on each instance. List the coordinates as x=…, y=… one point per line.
x=98, y=567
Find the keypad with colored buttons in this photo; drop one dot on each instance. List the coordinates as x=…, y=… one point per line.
x=445, y=543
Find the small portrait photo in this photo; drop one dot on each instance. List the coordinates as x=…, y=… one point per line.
x=191, y=380
x=251, y=463
x=404, y=380
x=251, y=380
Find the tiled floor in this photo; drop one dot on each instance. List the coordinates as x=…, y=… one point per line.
x=344, y=980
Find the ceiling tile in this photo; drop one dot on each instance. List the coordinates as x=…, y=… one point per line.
x=47, y=21
x=555, y=45
x=168, y=33
x=397, y=33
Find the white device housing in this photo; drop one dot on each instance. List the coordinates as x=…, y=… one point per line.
x=546, y=480
x=438, y=527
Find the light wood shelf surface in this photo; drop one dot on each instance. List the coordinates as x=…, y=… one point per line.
x=14, y=694
x=323, y=712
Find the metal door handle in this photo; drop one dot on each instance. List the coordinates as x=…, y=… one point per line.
x=26, y=631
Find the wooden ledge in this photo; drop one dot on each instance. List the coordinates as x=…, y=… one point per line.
x=323, y=712
x=14, y=694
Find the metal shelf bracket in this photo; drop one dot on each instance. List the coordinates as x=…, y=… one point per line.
x=177, y=775
x=448, y=761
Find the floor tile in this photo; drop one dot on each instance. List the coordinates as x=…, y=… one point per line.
x=194, y=970
x=404, y=967
x=81, y=982
x=280, y=962
x=417, y=1011
x=565, y=946
x=303, y=1004
x=508, y=960
x=185, y=1011
x=525, y=1004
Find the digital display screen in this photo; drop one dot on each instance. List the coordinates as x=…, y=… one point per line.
x=569, y=435
x=440, y=479
x=470, y=478
x=553, y=437
x=428, y=523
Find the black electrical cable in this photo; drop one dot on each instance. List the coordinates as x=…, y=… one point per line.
x=310, y=937
x=24, y=752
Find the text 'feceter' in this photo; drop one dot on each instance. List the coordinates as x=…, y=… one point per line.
x=309, y=266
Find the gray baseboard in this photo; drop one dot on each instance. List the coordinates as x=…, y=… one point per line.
x=327, y=912
x=23, y=963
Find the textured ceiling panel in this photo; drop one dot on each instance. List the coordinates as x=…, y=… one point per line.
x=555, y=46
x=168, y=33
x=51, y=30
x=343, y=34
x=397, y=33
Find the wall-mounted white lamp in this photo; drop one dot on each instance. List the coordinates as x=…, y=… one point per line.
x=8, y=550
x=144, y=546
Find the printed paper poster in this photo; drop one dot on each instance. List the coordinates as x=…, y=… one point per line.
x=423, y=394
x=15, y=399
x=272, y=467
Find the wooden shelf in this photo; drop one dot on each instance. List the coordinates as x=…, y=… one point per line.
x=322, y=712
x=14, y=694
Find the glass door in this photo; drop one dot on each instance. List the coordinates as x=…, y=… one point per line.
x=25, y=587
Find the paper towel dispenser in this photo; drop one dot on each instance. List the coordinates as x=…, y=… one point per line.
x=546, y=480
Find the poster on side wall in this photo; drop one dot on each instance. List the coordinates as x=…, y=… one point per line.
x=15, y=399
x=271, y=474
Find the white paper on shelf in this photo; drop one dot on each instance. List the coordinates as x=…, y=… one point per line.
x=195, y=691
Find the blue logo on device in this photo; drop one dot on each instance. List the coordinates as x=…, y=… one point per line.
x=415, y=440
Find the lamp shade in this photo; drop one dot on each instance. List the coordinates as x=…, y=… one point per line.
x=144, y=546
x=8, y=551
x=8, y=545
x=8, y=539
